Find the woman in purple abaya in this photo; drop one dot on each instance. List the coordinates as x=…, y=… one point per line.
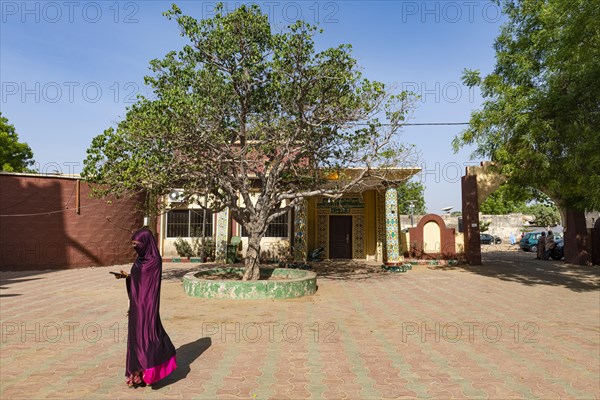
x=150, y=353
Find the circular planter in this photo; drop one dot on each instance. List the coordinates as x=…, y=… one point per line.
x=288, y=283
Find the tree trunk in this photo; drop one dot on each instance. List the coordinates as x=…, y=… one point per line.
x=252, y=263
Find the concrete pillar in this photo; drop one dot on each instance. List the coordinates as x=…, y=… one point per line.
x=222, y=235
x=300, y=230
x=392, y=227
x=380, y=215
x=470, y=215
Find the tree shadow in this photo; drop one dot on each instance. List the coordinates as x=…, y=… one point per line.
x=266, y=273
x=62, y=233
x=521, y=267
x=328, y=269
x=177, y=273
x=354, y=270
x=9, y=278
x=186, y=355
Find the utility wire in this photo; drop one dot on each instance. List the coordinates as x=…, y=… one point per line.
x=420, y=124
x=437, y=123
x=45, y=213
x=411, y=124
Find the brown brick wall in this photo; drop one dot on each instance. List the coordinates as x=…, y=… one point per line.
x=62, y=239
x=470, y=215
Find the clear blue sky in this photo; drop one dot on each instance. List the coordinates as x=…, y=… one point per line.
x=69, y=69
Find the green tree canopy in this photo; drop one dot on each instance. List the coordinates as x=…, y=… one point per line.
x=540, y=121
x=252, y=120
x=411, y=192
x=14, y=155
x=544, y=214
x=510, y=199
x=507, y=199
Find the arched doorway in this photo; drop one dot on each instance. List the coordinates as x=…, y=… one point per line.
x=431, y=239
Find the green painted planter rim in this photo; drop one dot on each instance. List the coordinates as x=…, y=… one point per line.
x=303, y=283
x=192, y=276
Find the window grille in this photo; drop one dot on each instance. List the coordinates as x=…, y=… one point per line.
x=279, y=227
x=188, y=223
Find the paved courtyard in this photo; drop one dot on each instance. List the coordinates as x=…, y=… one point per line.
x=513, y=328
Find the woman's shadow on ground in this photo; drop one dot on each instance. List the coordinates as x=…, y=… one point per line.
x=186, y=355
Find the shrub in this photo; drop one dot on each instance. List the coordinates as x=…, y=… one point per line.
x=194, y=249
x=183, y=247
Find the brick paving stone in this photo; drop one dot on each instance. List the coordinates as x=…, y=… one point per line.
x=337, y=395
x=352, y=343
x=229, y=390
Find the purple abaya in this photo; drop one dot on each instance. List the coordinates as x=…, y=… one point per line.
x=150, y=353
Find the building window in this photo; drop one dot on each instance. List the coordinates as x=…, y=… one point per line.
x=279, y=227
x=188, y=223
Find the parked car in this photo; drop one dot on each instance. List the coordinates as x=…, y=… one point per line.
x=486, y=238
x=529, y=242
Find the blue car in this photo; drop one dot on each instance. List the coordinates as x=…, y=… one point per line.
x=529, y=242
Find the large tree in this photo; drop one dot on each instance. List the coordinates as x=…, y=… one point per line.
x=509, y=199
x=252, y=120
x=545, y=214
x=540, y=121
x=14, y=155
x=411, y=193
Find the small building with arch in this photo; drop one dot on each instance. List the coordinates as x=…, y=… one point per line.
x=362, y=225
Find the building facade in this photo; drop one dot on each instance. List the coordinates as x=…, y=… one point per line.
x=362, y=225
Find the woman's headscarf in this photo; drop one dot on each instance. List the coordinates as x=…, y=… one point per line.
x=146, y=248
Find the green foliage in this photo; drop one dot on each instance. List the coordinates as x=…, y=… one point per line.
x=411, y=191
x=209, y=247
x=242, y=108
x=184, y=248
x=545, y=214
x=505, y=200
x=509, y=199
x=484, y=226
x=14, y=156
x=193, y=247
x=540, y=122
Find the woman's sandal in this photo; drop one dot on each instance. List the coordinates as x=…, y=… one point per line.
x=135, y=382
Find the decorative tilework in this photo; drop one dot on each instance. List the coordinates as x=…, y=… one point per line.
x=323, y=233
x=300, y=246
x=380, y=255
x=359, y=236
x=345, y=205
x=392, y=226
x=222, y=235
